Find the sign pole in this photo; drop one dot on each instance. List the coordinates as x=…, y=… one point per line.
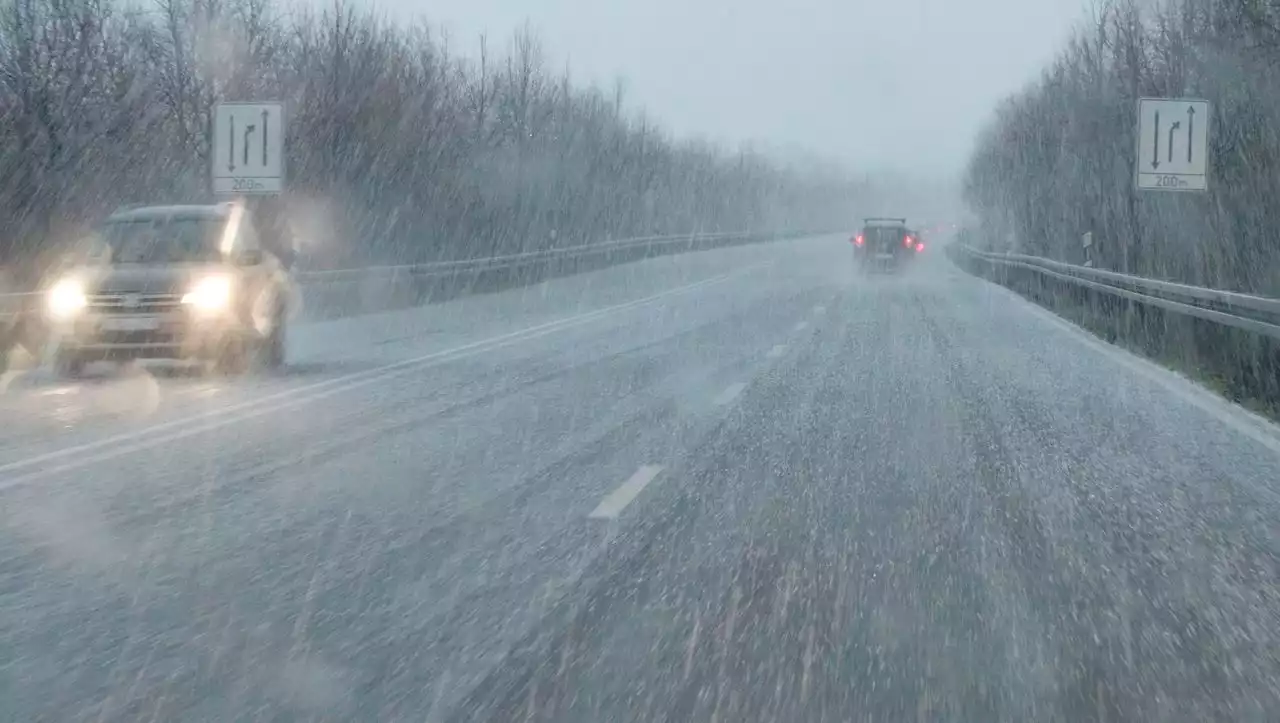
x=208, y=149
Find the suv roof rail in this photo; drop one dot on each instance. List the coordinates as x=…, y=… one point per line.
x=885, y=218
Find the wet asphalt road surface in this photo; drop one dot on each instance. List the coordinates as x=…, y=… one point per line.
x=744, y=484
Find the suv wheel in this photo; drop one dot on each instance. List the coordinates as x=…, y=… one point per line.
x=232, y=358
x=69, y=364
x=275, y=344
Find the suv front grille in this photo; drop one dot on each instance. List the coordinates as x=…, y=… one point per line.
x=134, y=303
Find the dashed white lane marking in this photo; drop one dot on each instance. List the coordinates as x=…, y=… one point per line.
x=777, y=351
x=802, y=326
x=819, y=309
x=728, y=395
x=613, y=505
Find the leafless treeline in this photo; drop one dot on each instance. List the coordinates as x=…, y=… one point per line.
x=395, y=138
x=1058, y=159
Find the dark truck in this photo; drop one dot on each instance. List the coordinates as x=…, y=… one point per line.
x=885, y=244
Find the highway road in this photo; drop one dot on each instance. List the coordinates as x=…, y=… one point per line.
x=743, y=484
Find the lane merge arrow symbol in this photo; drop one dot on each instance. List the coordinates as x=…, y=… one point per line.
x=248, y=131
x=1191, y=125
x=1155, y=144
x=246, y=143
x=1171, y=145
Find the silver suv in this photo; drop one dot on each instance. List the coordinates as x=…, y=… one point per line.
x=186, y=283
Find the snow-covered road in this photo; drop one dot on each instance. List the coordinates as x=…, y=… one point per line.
x=742, y=482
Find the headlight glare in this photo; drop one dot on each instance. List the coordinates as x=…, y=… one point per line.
x=210, y=294
x=66, y=299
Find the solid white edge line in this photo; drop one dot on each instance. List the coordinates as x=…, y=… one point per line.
x=1253, y=426
x=616, y=501
x=777, y=351
x=802, y=326
x=819, y=309
x=122, y=444
x=729, y=394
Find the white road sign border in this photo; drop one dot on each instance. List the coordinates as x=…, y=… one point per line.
x=1186, y=182
x=227, y=183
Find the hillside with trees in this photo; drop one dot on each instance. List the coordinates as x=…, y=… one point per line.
x=402, y=146
x=1057, y=159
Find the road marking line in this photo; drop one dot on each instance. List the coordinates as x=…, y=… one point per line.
x=819, y=309
x=728, y=395
x=1254, y=426
x=612, y=505
x=89, y=453
x=802, y=326
x=777, y=351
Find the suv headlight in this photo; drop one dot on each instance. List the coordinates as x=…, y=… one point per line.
x=66, y=299
x=209, y=294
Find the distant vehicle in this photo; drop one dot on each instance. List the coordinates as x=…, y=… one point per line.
x=885, y=244
x=183, y=283
x=917, y=236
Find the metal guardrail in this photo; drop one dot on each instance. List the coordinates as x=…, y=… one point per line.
x=388, y=281
x=435, y=268
x=1257, y=314
x=529, y=257
x=329, y=294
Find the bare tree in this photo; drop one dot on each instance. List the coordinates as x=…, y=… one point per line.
x=1058, y=158
x=405, y=149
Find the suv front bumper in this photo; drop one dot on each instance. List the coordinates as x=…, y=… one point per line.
x=177, y=334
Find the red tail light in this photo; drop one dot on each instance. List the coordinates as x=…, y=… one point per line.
x=857, y=240
x=920, y=247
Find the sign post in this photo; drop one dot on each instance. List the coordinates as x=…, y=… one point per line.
x=1087, y=242
x=247, y=156
x=1173, y=145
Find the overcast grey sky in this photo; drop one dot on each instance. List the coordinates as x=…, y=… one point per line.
x=901, y=83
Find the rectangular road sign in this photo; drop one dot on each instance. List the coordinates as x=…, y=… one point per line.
x=248, y=148
x=1173, y=145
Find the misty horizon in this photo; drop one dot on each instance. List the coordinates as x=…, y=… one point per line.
x=787, y=82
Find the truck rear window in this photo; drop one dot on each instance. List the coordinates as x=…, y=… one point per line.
x=883, y=235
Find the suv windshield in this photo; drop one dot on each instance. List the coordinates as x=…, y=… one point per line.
x=174, y=239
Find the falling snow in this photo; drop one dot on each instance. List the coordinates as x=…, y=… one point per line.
x=675, y=454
